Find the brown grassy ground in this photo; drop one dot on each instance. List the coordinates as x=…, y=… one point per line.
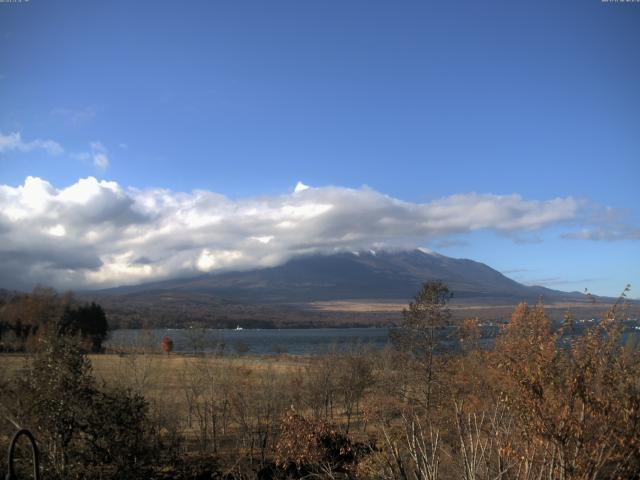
x=393, y=309
x=157, y=375
x=164, y=380
x=164, y=372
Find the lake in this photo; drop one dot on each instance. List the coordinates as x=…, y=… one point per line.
x=294, y=341
x=297, y=341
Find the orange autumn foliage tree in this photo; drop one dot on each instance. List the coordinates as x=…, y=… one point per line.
x=166, y=345
x=575, y=405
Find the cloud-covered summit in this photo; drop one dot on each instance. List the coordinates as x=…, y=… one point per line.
x=97, y=233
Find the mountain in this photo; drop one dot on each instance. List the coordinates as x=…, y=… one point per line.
x=376, y=276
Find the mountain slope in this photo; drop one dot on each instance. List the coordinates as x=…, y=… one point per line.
x=355, y=276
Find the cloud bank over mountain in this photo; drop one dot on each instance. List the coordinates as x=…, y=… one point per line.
x=97, y=233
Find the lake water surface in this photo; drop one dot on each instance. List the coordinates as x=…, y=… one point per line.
x=299, y=341
x=252, y=341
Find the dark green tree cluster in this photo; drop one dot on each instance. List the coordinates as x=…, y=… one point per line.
x=89, y=321
x=24, y=318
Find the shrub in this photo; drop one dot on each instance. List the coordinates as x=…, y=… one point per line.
x=82, y=429
x=576, y=407
x=315, y=449
x=166, y=345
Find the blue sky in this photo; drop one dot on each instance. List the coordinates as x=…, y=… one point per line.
x=417, y=101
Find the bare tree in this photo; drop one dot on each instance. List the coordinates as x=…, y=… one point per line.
x=417, y=334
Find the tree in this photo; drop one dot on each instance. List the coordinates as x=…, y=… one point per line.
x=417, y=334
x=354, y=376
x=89, y=321
x=196, y=337
x=79, y=425
x=579, y=401
x=166, y=344
x=54, y=396
x=469, y=334
x=23, y=316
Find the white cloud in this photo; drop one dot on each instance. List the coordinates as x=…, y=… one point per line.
x=57, y=231
x=215, y=259
x=264, y=239
x=300, y=187
x=101, y=161
x=95, y=233
x=13, y=142
x=99, y=155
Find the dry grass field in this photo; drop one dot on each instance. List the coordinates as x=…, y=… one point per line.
x=158, y=376
x=204, y=403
